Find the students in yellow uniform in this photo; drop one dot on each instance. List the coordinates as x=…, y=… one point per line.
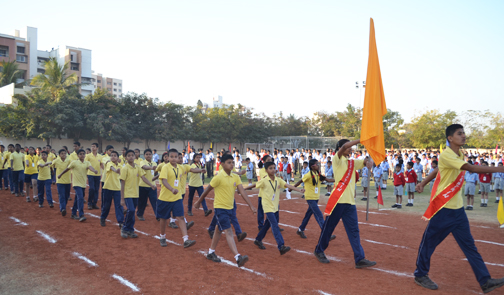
x=50, y=158
x=138, y=159
x=17, y=163
x=170, y=197
x=112, y=189
x=44, y=180
x=73, y=156
x=145, y=191
x=2, y=169
x=122, y=158
x=262, y=174
x=7, y=175
x=196, y=185
x=225, y=184
x=103, y=163
x=31, y=173
x=271, y=186
x=165, y=161
x=93, y=178
x=79, y=170
x=63, y=183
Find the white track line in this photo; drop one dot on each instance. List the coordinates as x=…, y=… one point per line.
x=386, y=244
x=169, y=241
x=323, y=293
x=482, y=226
x=372, y=212
x=489, y=263
x=287, y=225
x=378, y=225
x=126, y=283
x=136, y=230
x=400, y=274
x=291, y=212
x=85, y=259
x=95, y=216
x=489, y=242
x=385, y=209
x=47, y=237
x=236, y=265
x=18, y=222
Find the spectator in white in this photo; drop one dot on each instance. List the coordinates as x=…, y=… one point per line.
x=155, y=157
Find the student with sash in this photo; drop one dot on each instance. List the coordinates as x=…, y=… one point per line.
x=446, y=213
x=341, y=204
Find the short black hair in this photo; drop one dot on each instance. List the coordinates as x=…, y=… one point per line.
x=226, y=157
x=95, y=144
x=81, y=151
x=434, y=162
x=410, y=164
x=398, y=166
x=267, y=164
x=129, y=151
x=340, y=143
x=77, y=143
x=108, y=147
x=43, y=152
x=173, y=151
x=450, y=130
x=60, y=151
x=115, y=152
x=148, y=150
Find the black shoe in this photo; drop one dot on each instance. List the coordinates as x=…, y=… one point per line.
x=426, y=282
x=332, y=237
x=89, y=207
x=486, y=205
x=95, y=207
x=471, y=208
x=141, y=218
x=189, y=243
x=74, y=217
x=63, y=212
x=51, y=206
x=259, y=244
x=363, y=199
x=210, y=232
x=364, y=263
x=120, y=225
x=479, y=193
x=241, y=260
x=172, y=225
x=189, y=213
x=327, y=194
x=321, y=257
x=301, y=234
x=124, y=234
x=376, y=197
x=82, y=219
x=240, y=237
x=189, y=224
x=132, y=234
x=399, y=206
x=208, y=212
x=496, y=201
x=102, y=222
x=411, y=205
x=162, y=242
x=394, y=206
x=284, y=249
x=492, y=284
x=482, y=205
x=281, y=229
x=213, y=257
x=40, y=206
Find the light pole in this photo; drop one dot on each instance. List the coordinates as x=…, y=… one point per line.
x=360, y=86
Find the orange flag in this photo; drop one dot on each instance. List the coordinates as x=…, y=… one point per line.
x=380, y=197
x=374, y=105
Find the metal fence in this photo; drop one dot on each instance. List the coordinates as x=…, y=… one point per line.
x=295, y=142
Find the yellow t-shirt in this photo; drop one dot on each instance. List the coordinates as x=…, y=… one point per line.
x=105, y=158
x=224, y=186
x=44, y=172
x=51, y=157
x=263, y=174
x=6, y=164
x=310, y=189
x=112, y=181
x=18, y=160
x=31, y=165
x=61, y=165
x=73, y=156
x=271, y=193
x=131, y=177
x=2, y=158
x=340, y=166
x=195, y=178
x=172, y=174
x=183, y=177
x=79, y=175
x=160, y=167
x=122, y=160
x=449, y=168
x=149, y=174
x=95, y=162
x=138, y=161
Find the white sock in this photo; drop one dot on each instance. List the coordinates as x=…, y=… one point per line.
x=185, y=220
x=163, y=236
x=236, y=256
x=173, y=219
x=486, y=201
x=377, y=194
x=482, y=201
x=497, y=198
x=385, y=185
x=411, y=201
x=210, y=251
x=186, y=237
x=299, y=229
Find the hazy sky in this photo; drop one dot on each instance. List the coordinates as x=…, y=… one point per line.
x=293, y=56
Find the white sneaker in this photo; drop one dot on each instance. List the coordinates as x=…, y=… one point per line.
x=502, y=226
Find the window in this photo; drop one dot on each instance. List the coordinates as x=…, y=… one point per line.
x=109, y=89
x=115, y=84
x=120, y=90
x=109, y=83
x=4, y=51
x=120, y=84
x=20, y=49
x=41, y=71
x=98, y=81
x=21, y=58
x=74, y=67
x=115, y=90
x=72, y=57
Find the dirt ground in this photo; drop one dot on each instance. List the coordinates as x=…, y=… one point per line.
x=31, y=264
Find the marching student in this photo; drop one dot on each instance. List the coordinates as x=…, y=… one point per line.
x=470, y=187
x=2, y=168
x=73, y=156
x=183, y=181
x=146, y=192
x=341, y=204
x=399, y=183
x=364, y=182
x=103, y=164
x=499, y=183
x=378, y=175
x=484, y=180
x=411, y=181
x=446, y=213
x=31, y=174
x=44, y=180
x=17, y=163
x=94, y=178
x=62, y=184
x=312, y=182
x=51, y=156
x=196, y=185
x=262, y=174
x=122, y=158
x=138, y=160
x=7, y=171
x=170, y=198
x=225, y=184
x=271, y=196
x=131, y=175
x=79, y=172
x=112, y=190
x=165, y=158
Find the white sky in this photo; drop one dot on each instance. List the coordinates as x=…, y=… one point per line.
x=295, y=56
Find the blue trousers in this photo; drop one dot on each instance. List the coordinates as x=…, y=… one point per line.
x=314, y=210
x=192, y=190
x=18, y=181
x=234, y=222
x=348, y=213
x=94, y=188
x=448, y=221
x=78, y=201
x=4, y=176
x=41, y=184
x=63, y=194
x=7, y=178
x=129, y=220
x=271, y=221
x=260, y=214
x=108, y=197
x=146, y=193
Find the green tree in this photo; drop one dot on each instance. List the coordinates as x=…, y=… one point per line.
x=10, y=74
x=55, y=80
x=427, y=129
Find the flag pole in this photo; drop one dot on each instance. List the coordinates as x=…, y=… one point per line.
x=367, y=208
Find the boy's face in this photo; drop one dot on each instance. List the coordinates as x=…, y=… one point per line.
x=137, y=154
x=484, y=164
x=81, y=156
x=271, y=170
x=228, y=164
x=458, y=138
x=130, y=157
x=44, y=156
x=114, y=158
x=63, y=155
x=180, y=159
x=76, y=147
x=305, y=165
x=397, y=169
x=173, y=158
x=409, y=166
x=148, y=156
x=434, y=166
x=94, y=148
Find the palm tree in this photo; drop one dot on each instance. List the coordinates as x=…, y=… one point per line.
x=10, y=73
x=55, y=80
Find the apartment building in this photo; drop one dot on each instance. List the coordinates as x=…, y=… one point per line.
x=112, y=85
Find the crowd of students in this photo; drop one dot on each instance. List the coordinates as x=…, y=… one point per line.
x=129, y=181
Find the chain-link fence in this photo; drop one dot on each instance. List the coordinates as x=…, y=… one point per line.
x=295, y=142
